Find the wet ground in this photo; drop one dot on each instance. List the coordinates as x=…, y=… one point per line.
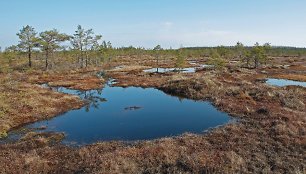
x=115, y=113
x=269, y=137
x=285, y=82
x=184, y=70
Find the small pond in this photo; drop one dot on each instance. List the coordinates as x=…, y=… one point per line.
x=184, y=70
x=115, y=113
x=285, y=82
x=163, y=70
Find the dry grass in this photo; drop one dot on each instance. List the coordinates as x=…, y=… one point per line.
x=297, y=77
x=23, y=103
x=268, y=138
x=84, y=79
x=129, y=68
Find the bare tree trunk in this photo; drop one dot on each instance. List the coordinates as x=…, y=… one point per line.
x=47, y=55
x=79, y=60
x=82, y=58
x=157, y=62
x=51, y=61
x=256, y=63
x=30, y=55
x=86, y=59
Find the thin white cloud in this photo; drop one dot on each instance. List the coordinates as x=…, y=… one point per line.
x=221, y=37
x=166, y=26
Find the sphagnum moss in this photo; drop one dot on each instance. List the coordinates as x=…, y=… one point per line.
x=3, y=134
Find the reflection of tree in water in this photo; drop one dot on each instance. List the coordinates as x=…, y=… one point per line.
x=93, y=98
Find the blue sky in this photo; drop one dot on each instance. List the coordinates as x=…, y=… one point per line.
x=167, y=22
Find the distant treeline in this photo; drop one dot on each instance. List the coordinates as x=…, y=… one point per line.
x=281, y=51
x=52, y=49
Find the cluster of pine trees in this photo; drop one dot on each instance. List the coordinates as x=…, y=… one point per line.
x=84, y=48
x=84, y=43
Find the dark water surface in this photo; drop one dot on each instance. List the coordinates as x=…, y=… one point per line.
x=116, y=113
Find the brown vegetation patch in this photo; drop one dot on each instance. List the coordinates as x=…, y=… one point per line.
x=269, y=136
x=81, y=79
x=298, y=67
x=23, y=103
x=297, y=77
x=128, y=68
